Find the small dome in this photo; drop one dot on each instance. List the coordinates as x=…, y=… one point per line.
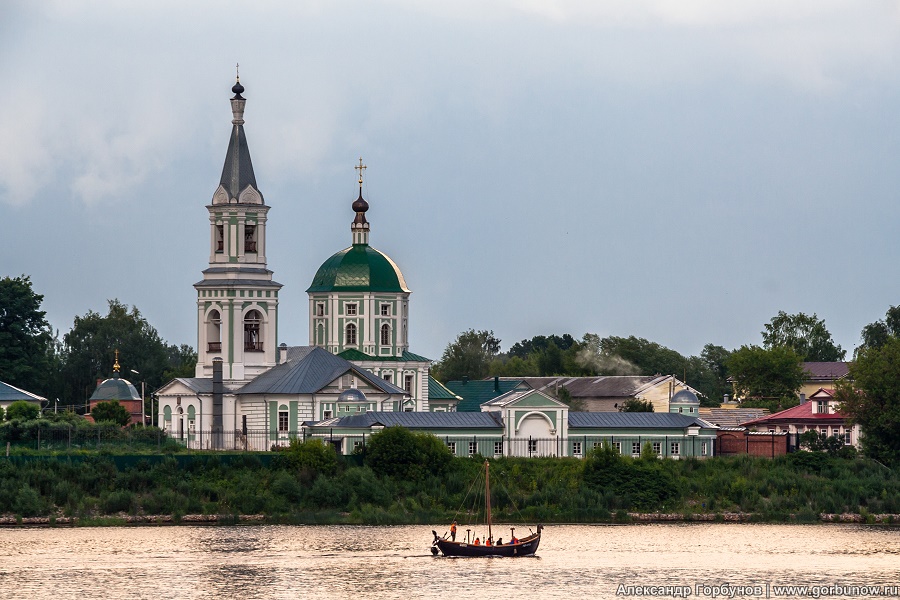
x=352, y=395
x=360, y=205
x=685, y=397
x=238, y=89
x=359, y=268
x=115, y=389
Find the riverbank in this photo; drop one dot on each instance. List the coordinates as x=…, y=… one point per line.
x=602, y=488
x=634, y=518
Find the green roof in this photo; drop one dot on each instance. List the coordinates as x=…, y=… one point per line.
x=115, y=389
x=352, y=354
x=476, y=393
x=359, y=268
x=439, y=391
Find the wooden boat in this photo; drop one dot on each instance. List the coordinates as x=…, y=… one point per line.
x=526, y=546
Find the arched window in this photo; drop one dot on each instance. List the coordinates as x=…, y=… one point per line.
x=351, y=335
x=385, y=335
x=252, y=337
x=214, y=332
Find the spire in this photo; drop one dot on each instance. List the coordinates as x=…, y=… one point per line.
x=360, y=227
x=237, y=174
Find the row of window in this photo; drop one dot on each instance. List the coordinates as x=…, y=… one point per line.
x=350, y=335
x=350, y=309
x=249, y=238
x=252, y=336
x=577, y=448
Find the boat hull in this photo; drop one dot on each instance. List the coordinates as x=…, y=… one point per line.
x=525, y=547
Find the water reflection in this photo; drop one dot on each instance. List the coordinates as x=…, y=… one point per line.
x=389, y=562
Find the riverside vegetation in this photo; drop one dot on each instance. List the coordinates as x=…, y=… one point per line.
x=403, y=477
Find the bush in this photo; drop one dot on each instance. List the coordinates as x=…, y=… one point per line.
x=399, y=453
x=22, y=410
x=110, y=412
x=312, y=458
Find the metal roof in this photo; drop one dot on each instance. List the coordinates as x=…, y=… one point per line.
x=115, y=389
x=731, y=417
x=602, y=386
x=627, y=420
x=438, y=391
x=356, y=355
x=826, y=371
x=309, y=374
x=359, y=268
x=420, y=420
x=9, y=393
x=237, y=173
x=198, y=385
x=476, y=393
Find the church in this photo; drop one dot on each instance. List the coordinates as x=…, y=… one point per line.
x=357, y=360
x=357, y=375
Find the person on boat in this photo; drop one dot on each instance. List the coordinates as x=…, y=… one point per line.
x=477, y=542
x=500, y=542
x=514, y=540
x=453, y=531
x=487, y=542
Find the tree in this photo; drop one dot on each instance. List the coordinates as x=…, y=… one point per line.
x=89, y=351
x=766, y=378
x=806, y=335
x=311, y=458
x=22, y=410
x=540, y=342
x=26, y=341
x=870, y=396
x=636, y=405
x=399, y=453
x=469, y=356
x=110, y=412
x=876, y=335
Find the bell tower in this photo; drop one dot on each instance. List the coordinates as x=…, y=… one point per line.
x=237, y=300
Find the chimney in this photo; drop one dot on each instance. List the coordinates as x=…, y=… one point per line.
x=218, y=389
x=496, y=383
x=465, y=379
x=802, y=398
x=282, y=353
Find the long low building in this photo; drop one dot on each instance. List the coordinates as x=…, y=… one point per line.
x=531, y=423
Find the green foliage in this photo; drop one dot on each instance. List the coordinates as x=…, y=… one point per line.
x=470, y=355
x=806, y=335
x=311, y=458
x=873, y=399
x=399, y=453
x=876, y=335
x=766, y=378
x=814, y=441
x=641, y=484
x=26, y=341
x=22, y=410
x=636, y=405
x=110, y=412
x=89, y=351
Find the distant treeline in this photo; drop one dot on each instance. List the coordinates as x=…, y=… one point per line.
x=308, y=483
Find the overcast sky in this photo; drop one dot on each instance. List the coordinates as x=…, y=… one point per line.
x=675, y=170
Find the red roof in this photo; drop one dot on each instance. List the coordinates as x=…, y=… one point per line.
x=801, y=413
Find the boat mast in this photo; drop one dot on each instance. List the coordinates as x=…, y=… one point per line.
x=487, y=496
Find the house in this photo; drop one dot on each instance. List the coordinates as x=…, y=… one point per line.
x=10, y=394
x=603, y=393
x=527, y=422
x=119, y=390
x=822, y=375
x=818, y=412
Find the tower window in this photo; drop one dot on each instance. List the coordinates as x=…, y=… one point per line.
x=320, y=309
x=388, y=377
x=214, y=332
x=408, y=383
x=385, y=310
x=351, y=334
x=351, y=310
x=250, y=238
x=220, y=238
x=385, y=334
x=252, y=338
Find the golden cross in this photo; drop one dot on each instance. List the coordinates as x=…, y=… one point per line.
x=237, y=70
x=361, y=167
x=116, y=366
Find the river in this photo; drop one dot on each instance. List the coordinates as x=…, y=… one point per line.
x=574, y=561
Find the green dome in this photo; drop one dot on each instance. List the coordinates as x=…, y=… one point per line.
x=115, y=389
x=359, y=268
